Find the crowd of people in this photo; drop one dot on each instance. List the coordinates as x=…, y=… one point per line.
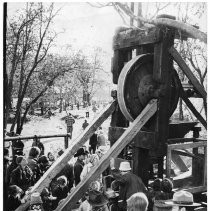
x=126, y=191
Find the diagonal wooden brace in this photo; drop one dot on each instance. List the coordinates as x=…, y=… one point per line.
x=178, y=59
x=113, y=152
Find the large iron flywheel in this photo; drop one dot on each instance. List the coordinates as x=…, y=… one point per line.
x=136, y=86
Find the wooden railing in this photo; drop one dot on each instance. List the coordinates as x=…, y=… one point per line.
x=37, y=137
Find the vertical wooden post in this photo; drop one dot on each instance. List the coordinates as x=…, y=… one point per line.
x=168, y=162
x=163, y=64
x=205, y=167
x=66, y=142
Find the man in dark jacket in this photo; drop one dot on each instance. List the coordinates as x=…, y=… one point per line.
x=93, y=143
x=127, y=182
x=78, y=166
x=22, y=175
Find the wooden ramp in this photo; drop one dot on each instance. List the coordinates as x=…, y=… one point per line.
x=113, y=152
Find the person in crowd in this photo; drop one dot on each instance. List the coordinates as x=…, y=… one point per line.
x=36, y=203
x=33, y=163
x=39, y=144
x=97, y=200
x=113, y=200
x=17, y=147
x=51, y=158
x=100, y=152
x=167, y=190
x=154, y=193
x=127, y=182
x=92, y=161
x=93, y=143
x=49, y=113
x=43, y=164
x=68, y=172
x=6, y=160
x=137, y=202
x=69, y=122
x=47, y=199
x=101, y=140
x=14, y=198
x=78, y=166
x=85, y=124
x=61, y=190
x=22, y=175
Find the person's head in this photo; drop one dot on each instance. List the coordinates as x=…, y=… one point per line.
x=62, y=181
x=15, y=191
x=21, y=161
x=137, y=202
x=97, y=199
x=43, y=160
x=50, y=156
x=125, y=167
x=166, y=185
x=157, y=184
x=81, y=153
x=69, y=114
x=34, y=152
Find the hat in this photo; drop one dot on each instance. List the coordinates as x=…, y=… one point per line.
x=81, y=151
x=97, y=198
x=14, y=189
x=35, y=198
x=125, y=166
x=182, y=198
x=111, y=194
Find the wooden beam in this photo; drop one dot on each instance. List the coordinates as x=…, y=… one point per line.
x=133, y=38
x=187, y=145
x=32, y=137
x=178, y=59
x=114, y=151
x=179, y=162
x=60, y=163
x=193, y=109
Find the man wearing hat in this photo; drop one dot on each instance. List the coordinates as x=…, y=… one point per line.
x=183, y=200
x=127, y=182
x=78, y=166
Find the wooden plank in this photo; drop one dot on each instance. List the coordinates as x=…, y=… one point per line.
x=36, y=136
x=179, y=162
x=134, y=37
x=205, y=167
x=186, y=153
x=179, y=140
x=178, y=59
x=114, y=151
x=59, y=164
x=187, y=145
x=168, y=162
x=162, y=67
x=193, y=109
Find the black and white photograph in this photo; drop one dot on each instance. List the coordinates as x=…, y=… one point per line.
x=104, y=106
